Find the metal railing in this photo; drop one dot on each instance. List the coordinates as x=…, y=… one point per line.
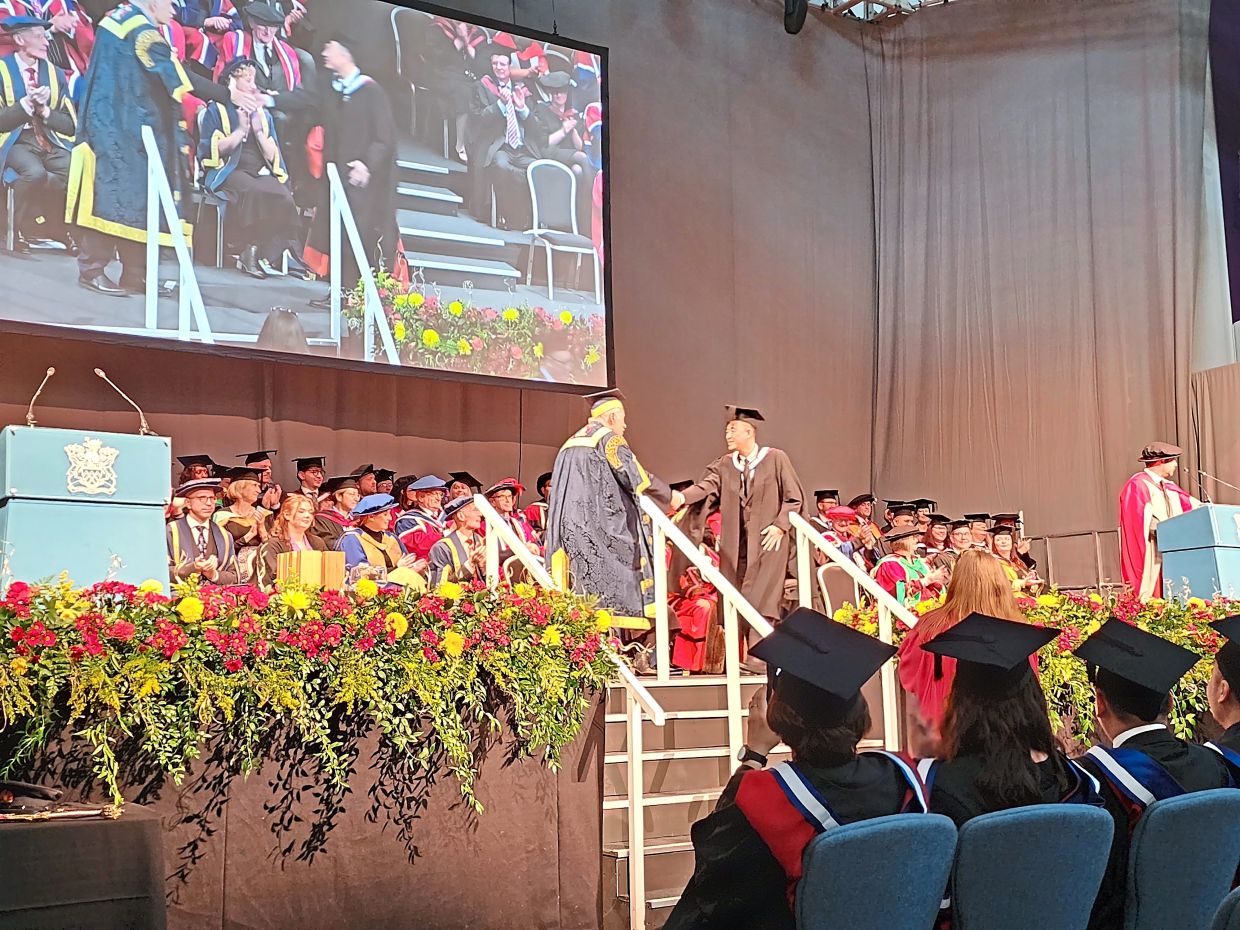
x=638, y=701
x=888, y=607
x=1101, y=578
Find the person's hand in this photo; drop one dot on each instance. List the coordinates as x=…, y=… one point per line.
x=1023, y=546
x=359, y=174
x=245, y=100
x=937, y=576
x=678, y=500
x=519, y=93
x=218, y=23
x=534, y=550
x=257, y=123
x=505, y=94
x=63, y=22
x=772, y=538
x=411, y=561
x=758, y=735
x=478, y=557
x=569, y=124
x=209, y=568
x=272, y=496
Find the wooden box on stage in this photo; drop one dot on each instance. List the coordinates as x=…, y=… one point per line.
x=313, y=569
x=1201, y=552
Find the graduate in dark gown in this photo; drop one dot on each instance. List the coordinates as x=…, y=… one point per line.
x=749, y=851
x=1133, y=673
x=1224, y=689
x=998, y=748
x=593, y=515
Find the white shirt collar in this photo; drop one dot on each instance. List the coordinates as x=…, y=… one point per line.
x=1157, y=479
x=1128, y=734
x=194, y=522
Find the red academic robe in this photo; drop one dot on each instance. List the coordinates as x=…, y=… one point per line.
x=904, y=580
x=1143, y=504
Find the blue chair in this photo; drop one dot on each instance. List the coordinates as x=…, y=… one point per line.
x=882, y=874
x=1182, y=860
x=1228, y=915
x=1034, y=867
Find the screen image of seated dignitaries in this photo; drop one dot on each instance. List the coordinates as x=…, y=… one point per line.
x=248, y=100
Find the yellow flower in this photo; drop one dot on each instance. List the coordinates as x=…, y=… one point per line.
x=551, y=635
x=416, y=300
x=67, y=614
x=604, y=620
x=295, y=601
x=150, y=685
x=453, y=643
x=512, y=314
x=366, y=588
x=1095, y=598
x=456, y=308
x=401, y=301
x=151, y=586
x=19, y=666
x=450, y=591
x=538, y=350
x=430, y=338
x=463, y=347
x=190, y=609
x=1156, y=602
x=398, y=331
x=1196, y=602
x=592, y=355
x=840, y=615
x=398, y=624
x=523, y=590
x=566, y=317
x=1049, y=600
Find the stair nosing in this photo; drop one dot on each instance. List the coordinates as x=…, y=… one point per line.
x=662, y=799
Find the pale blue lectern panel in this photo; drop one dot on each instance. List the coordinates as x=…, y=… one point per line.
x=90, y=504
x=1201, y=552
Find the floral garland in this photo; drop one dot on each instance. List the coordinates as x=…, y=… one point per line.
x=516, y=341
x=114, y=664
x=1068, y=691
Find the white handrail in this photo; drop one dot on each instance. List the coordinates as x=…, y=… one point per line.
x=189, y=298
x=373, y=317
x=887, y=605
x=498, y=530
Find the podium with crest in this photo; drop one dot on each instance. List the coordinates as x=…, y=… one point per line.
x=90, y=504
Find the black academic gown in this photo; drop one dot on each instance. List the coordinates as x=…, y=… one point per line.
x=954, y=790
x=737, y=882
x=1230, y=738
x=1195, y=768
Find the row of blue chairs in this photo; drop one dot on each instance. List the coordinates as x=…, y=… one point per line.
x=1030, y=867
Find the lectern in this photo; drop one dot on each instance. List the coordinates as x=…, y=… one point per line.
x=90, y=504
x=1201, y=552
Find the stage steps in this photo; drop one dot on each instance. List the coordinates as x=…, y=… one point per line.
x=686, y=765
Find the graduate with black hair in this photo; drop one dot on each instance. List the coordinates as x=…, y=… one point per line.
x=1223, y=690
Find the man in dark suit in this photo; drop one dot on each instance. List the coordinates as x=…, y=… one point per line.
x=196, y=545
x=1133, y=673
x=498, y=148
x=1223, y=690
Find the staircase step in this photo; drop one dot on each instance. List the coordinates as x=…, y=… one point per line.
x=430, y=198
x=452, y=271
x=671, y=844
x=659, y=799
x=442, y=228
x=659, y=903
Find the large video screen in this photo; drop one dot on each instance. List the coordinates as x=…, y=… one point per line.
x=349, y=181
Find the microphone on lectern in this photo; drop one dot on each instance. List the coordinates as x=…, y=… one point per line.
x=30, y=420
x=144, y=428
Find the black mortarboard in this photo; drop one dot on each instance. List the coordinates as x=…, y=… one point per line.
x=555, y=80
x=862, y=499
x=1228, y=655
x=903, y=532
x=367, y=469
x=819, y=666
x=1011, y=519
x=977, y=517
x=311, y=461
x=261, y=455
x=188, y=460
x=749, y=415
x=957, y=524
x=825, y=494
x=384, y=474
x=600, y=401
x=898, y=507
x=465, y=478
x=924, y=503
x=940, y=518
x=991, y=652
x=682, y=485
x=891, y=504
x=1002, y=529
x=338, y=483
x=242, y=473
x=1150, y=662
x=543, y=479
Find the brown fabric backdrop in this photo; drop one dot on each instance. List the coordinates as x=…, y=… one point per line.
x=1216, y=441
x=1037, y=183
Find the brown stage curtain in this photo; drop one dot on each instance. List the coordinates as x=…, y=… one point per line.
x=1037, y=173
x=1216, y=441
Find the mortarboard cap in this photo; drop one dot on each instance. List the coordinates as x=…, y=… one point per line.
x=940, y=518
x=427, y=483
x=543, y=480
x=372, y=504
x=465, y=478
x=602, y=402
x=1002, y=529
x=1011, y=519
x=991, y=652
x=241, y=473
x=367, y=469
x=896, y=508
x=958, y=524
x=261, y=455
x=1228, y=655
x=338, y=483
x=924, y=503
x=1149, y=662
x=555, y=80
x=862, y=499
x=197, y=484
x=746, y=414
x=820, y=665
x=826, y=493
x=384, y=474
x=456, y=504
x=310, y=461
x=903, y=532
x=1160, y=452
x=977, y=517
x=188, y=460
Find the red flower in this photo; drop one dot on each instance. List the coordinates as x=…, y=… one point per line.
x=261, y=648
x=122, y=630
x=515, y=352
x=17, y=634
x=234, y=665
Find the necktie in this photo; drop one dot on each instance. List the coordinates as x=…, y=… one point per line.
x=36, y=118
x=513, y=131
x=202, y=541
x=262, y=59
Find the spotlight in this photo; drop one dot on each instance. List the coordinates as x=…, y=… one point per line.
x=794, y=15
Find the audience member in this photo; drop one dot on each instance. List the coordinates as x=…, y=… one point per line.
x=243, y=519
x=1003, y=546
x=935, y=540
x=73, y=35
x=367, y=483
x=260, y=461
x=536, y=513
x=460, y=555
x=959, y=541
x=1223, y=691
x=421, y=525
x=503, y=496
x=463, y=485
x=369, y=542
x=311, y=473
x=340, y=495
x=904, y=575
x=194, y=467
x=453, y=65
x=979, y=523
x=384, y=480
x=196, y=545
x=554, y=129
x=498, y=152
x=290, y=532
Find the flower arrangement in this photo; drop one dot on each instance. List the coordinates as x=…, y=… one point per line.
x=1068, y=691
x=515, y=341
x=114, y=664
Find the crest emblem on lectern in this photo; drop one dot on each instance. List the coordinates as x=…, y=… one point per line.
x=91, y=467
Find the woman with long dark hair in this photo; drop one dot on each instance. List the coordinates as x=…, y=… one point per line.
x=998, y=748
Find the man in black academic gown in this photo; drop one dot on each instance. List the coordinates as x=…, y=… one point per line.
x=1223, y=690
x=1133, y=673
x=816, y=708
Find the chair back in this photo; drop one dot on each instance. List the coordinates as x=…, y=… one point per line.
x=837, y=587
x=1030, y=867
x=888, y=873
x=1227, y=917
x=553, y=193
x=1182, y=860
x=409, y=29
